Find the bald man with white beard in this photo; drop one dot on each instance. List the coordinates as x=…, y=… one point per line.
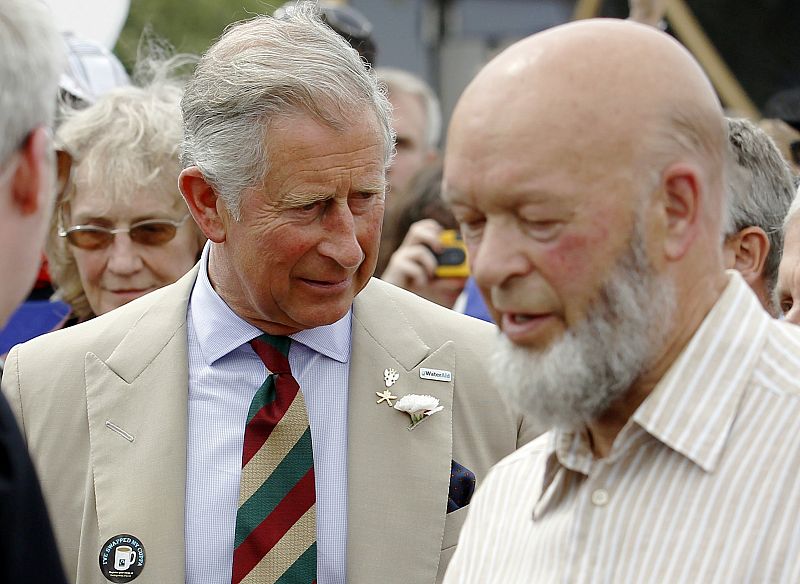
x=673, y=396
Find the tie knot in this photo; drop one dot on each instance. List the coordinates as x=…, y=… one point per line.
x=273, y=351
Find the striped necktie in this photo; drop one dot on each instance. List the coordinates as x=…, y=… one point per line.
x=276, y=524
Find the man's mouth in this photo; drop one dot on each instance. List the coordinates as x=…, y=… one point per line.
x=525, y=327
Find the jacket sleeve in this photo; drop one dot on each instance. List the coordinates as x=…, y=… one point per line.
x=27, y=546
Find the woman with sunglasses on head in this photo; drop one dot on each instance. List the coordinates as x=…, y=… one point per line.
x=121, y=228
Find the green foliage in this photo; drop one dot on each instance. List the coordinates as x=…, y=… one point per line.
x=190, y=26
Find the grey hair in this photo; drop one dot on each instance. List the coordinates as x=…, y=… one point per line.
x=262, y=69
x=760, y=189
x=33, y=55
x=399, y=81
x=127, y=142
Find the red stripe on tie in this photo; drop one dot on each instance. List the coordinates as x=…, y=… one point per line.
x=270, y=531
x=260, y=427
x=275, y=361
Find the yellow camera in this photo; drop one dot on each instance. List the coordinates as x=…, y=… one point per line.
x=453, y=258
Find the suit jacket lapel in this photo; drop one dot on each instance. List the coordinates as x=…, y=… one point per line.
x=397, y=479
x=137, y=411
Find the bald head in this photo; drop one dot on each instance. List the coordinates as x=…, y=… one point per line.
x=594, y=102
x=605, y=84
x=585, y=165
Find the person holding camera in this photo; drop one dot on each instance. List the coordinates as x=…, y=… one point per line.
x=429, y=260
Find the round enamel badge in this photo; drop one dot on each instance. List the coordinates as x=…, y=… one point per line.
x=122, y=558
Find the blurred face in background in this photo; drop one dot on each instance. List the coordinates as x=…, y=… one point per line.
x=412, y=151
x=787, y=290
x=116, y=269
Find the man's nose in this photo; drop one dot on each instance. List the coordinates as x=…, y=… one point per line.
x=341, y=243
x=498, y=256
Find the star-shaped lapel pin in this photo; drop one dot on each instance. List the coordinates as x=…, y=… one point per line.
x=385, y=396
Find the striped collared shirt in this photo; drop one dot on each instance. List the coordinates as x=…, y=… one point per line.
x=701, y=485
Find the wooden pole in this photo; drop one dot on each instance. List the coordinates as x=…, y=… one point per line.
x=691, y=34
x=586, y=9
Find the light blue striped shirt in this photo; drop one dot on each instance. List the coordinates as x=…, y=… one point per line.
x=224, y=374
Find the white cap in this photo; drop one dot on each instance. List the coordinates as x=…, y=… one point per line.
x=91, y=71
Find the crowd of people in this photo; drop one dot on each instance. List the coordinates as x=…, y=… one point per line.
x=236, y=397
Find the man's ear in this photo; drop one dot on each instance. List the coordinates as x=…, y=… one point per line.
x=32, y=180
x=751, y=246
x=682, y=191
x=204, y=204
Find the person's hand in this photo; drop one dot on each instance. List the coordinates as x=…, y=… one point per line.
x=413, y=265
x=647, y=11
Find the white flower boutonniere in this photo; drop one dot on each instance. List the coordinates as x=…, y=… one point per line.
x=418, y=407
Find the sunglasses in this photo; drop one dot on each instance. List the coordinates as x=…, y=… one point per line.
x=152, y=232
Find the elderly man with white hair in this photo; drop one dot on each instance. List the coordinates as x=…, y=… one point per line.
x=29, y=71
x=760, y=191
x=417, y=125
x=586, y=166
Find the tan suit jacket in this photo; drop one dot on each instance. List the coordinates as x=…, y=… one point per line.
x=103, y=407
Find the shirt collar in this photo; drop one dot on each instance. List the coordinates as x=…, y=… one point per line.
x=692, y=408
x=219, y=330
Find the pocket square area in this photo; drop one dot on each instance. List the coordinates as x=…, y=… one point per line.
x=462, y=486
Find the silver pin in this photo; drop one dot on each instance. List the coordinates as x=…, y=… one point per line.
x=390, y=376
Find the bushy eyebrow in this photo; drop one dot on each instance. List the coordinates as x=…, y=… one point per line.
x=376, y=187
x=295, y=200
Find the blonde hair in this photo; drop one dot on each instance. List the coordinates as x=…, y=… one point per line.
x=128, y=142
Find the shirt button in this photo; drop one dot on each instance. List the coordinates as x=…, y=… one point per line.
x=600, y=498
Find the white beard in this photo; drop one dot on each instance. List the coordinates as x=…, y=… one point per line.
x=594, y=364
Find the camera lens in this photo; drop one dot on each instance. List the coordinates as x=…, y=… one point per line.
x=451, y=257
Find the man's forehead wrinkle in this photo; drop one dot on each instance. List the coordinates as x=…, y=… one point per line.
x=353, y=168
x=310, y=178
x=366, y=151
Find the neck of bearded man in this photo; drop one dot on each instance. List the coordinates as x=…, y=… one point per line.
x=695, y=299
